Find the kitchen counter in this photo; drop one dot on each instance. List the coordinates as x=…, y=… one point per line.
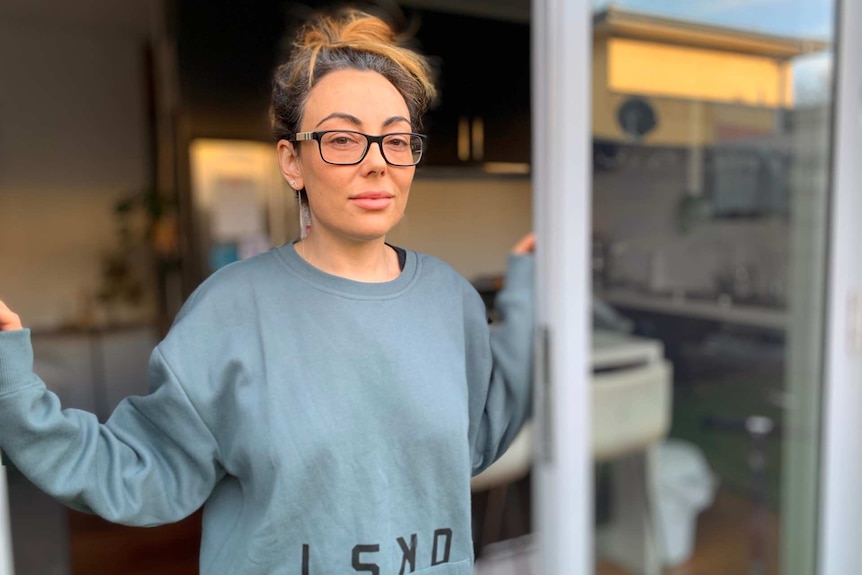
x=94, y=369
x=697, y=308
x=45, y=331
x=621, y=350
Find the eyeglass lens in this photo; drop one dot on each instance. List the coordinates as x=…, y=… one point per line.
x=400, y=149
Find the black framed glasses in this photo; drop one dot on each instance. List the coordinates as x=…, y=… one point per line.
x=347, y=147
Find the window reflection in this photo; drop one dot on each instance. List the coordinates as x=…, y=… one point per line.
x=710, y=128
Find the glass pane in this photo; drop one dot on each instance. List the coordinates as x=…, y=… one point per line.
x=711, y=141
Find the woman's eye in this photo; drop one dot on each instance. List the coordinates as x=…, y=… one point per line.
x=397, y=142
x=341, y=140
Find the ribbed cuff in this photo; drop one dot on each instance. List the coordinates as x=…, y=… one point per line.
x=520, y=272
x=16, y=360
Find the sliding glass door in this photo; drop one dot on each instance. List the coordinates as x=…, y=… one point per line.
x=700, y=312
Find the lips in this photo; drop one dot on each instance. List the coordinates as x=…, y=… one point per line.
x=372, y=200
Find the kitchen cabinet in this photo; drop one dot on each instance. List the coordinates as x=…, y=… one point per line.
x=484, y=76
x=483, y=113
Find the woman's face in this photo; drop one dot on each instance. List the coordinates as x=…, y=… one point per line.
x=360, y=202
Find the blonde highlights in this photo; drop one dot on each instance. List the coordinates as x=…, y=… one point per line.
x=348, y=39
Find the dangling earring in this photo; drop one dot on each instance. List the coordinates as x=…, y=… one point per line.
x=304, y=214
x=292, y=184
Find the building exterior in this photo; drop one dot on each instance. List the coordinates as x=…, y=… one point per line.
x=702, y=84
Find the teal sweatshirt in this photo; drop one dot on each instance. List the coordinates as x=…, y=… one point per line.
x=327, y=426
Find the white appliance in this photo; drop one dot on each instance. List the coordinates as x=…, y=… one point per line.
x=241, y=203
x=631, y=393
x=631, y=413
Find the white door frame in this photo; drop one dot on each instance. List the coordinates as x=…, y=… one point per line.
x=840, y=529
x=562, y=153
x=6, y=562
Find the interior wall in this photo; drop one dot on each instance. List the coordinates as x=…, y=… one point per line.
x=73, y=139
x=637, y=212
x=470, y=223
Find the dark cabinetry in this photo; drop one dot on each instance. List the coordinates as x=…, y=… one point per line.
x=227, y=51
x=483, y=114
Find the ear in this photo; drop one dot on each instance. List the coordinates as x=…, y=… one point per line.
x=288, y=161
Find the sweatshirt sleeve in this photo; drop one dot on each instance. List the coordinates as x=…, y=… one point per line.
x=153, y=462
x=500, y=364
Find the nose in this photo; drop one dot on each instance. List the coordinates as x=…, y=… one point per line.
x=374, y=155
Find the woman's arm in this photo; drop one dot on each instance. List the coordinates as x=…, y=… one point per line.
x=500, y=360
x=154, y=461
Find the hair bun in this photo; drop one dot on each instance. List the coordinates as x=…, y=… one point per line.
x=348, y=29
x=348, y=39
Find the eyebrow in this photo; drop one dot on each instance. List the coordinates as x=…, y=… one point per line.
x=357, y=122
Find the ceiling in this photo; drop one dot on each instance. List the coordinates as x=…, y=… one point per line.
x=514, y=10
x=110, y=16
x=136, y=16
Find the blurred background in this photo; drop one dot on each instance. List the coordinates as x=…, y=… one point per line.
x=135, y=159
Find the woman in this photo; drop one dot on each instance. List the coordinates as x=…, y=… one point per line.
x=327, y=401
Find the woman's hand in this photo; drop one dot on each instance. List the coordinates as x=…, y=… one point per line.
x=525, y=245
x=9, y=320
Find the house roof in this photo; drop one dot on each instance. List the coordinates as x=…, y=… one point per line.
x=619, y=23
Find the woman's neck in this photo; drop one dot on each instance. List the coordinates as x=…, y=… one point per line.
x=370, y=261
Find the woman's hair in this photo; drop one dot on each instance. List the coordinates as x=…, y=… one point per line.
x=347, y=39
